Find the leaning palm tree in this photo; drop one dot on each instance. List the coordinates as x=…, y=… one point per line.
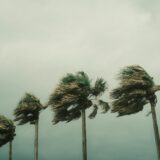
x=27, y=111
x=73, y=96
x=7, y=133
x=136, y=89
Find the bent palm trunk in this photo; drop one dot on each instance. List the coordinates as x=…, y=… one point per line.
x=36, y=140
x=84, y=138
x=156, y=131
x=10, y=150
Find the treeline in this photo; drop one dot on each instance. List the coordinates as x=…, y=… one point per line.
x=75, y=93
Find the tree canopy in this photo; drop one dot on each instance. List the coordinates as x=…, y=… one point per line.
x=27, y=110
x=7, y=130
x=136, y=89
x=75, y=93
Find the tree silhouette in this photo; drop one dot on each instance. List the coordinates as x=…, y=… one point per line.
x=7, y=133
x=73, y=96
x=136, y=89
x=27, y=111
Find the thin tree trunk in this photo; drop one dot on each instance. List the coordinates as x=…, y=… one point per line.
x=84, y=137
x=10, y=150
x=156, y=130
x=36, y=140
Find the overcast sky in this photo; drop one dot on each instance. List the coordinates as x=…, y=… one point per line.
x=42, y=40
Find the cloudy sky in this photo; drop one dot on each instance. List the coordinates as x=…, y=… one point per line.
x=42, y=40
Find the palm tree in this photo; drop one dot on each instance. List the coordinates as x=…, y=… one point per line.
x=73, y=96
x=27, y=111
x=135, y=90
x=7, y=133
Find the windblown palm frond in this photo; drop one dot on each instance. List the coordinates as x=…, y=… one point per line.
x=80, y=78
x=99, y=87
x=27, y=109
x=7, y=130
x=74, y=94
x=134, y=91
x=104, y=105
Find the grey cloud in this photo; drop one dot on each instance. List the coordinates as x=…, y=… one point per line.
x=43, y=40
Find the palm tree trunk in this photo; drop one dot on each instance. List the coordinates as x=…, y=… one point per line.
x=36, y=140
x=10, y=150
x=84, y=137
x=156, y=130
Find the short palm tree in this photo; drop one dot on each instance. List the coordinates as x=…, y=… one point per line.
x=27, y=111
x=135, y=90
x=73, y=96
x=7, y=133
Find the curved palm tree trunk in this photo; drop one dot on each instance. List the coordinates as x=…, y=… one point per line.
x=156, y=130
x=36, y=140
x=84, y=137
x=10, y=150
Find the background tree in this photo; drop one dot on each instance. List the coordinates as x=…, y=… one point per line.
x=27, y=111
x=136, y=89
x=73, y=96
x=7, y=133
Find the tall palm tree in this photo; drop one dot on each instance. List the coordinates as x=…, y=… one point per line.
x=27, y=111
x=7, y=133
x=73, y=96
x=135, y=90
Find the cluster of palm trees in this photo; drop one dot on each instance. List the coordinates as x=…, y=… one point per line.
x=75, y=93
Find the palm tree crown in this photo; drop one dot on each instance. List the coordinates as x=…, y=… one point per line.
x=136, y=88
x=28, y=109
x=75, y=93
x=7, y=130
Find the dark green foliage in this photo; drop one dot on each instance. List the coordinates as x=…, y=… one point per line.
x=104, y=105
x=134, y=91
x=94, y=112
x=28, y=109
x=7, y=130
x=99, y=88
x=73, y=94
x=80, y=78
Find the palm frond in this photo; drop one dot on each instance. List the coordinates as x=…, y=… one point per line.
x=104, y=105
x=7, y=130
x=136, y=73
x=94, y=112
x=99, y=87
x=27, y=109
x=65, y=89
x=73, y=94
x=79, y=78
x=133, y=91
